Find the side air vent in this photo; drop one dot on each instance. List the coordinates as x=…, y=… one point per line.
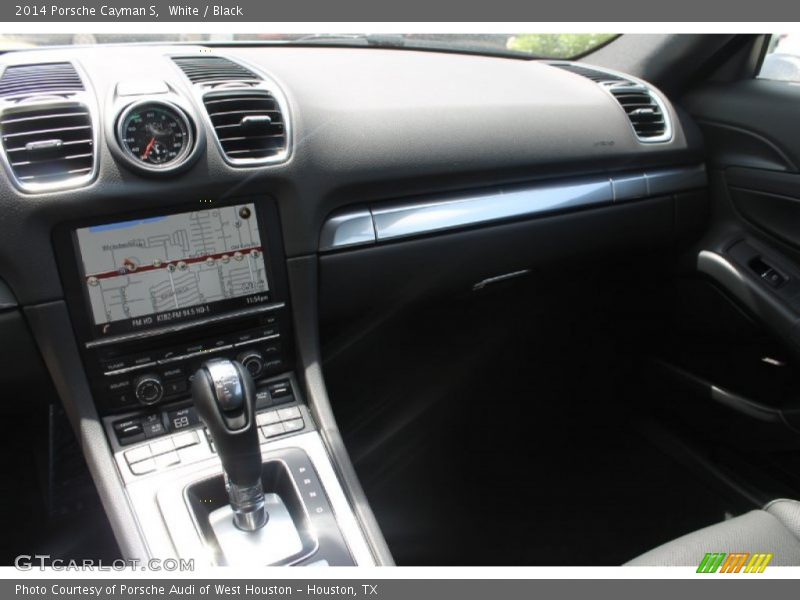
x=47, y=146
x=20, y=81
x=249, y=124
x=208, y=69
x=644, y=112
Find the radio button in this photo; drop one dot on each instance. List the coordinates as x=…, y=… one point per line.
x=267, y=331
x=167, y=354
x=244, y=337
x=272, y=350
x=218, y=343
x=253, y=361
x=143, y=360
x=118, y=386
x=192, y=348
x=171, y=372
x=177, y=386
x=121, y=400
x=116, y=364
x=273, y=365
x=148, y=389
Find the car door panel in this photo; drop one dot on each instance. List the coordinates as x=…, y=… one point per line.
x=749, y=257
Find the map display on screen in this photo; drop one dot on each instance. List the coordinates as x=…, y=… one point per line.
x=154, y=270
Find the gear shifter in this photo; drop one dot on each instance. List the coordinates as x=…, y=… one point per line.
x=224, y=394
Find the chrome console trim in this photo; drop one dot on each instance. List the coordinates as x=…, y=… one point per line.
x=427, y=217
x=168, y=527
x=379, y=223
x=349, y=229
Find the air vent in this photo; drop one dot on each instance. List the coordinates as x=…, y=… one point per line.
x=20, y=81
x=208, y=69
x=643, y=111
x=249, y=124
x=48, y=145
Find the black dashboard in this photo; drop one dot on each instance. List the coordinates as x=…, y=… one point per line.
x=164, y=205
x=363, y=126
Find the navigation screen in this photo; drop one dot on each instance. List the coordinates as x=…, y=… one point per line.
x=153, y=271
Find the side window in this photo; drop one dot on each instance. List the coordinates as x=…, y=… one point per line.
x=782, y=61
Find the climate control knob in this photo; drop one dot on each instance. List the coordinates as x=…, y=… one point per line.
x=148, y=389
x=253, y=361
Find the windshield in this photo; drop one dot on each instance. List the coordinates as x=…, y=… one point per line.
x=538, y=45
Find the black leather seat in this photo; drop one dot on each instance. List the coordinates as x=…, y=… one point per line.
x=775, y=530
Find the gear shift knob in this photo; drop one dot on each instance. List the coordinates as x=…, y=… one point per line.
x=224, y=395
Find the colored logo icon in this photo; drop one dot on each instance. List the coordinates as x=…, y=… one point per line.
x=736, y=562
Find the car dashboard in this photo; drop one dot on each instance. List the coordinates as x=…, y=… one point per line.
x=167, y=205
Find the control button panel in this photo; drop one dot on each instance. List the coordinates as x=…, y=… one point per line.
x=142, y=456
x=160, y=454
x=183, y=416
x=123, y=380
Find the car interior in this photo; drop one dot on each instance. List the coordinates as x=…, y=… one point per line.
x=387, y=302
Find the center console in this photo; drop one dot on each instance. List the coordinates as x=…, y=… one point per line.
x=155, y=296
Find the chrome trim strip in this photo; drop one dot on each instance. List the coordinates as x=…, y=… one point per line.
x=667, y=181
x=348, y=229
x=362, y=227
x=428, y=217
x=629, y=187
x=140, y=335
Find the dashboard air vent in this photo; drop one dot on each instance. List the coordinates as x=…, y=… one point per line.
x=249, y=124
x=19, y=81
x=645, y=114
x=643, y=107
x=48, y=145
x=208, y=69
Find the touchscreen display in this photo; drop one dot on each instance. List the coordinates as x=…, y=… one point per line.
x=153, y=271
